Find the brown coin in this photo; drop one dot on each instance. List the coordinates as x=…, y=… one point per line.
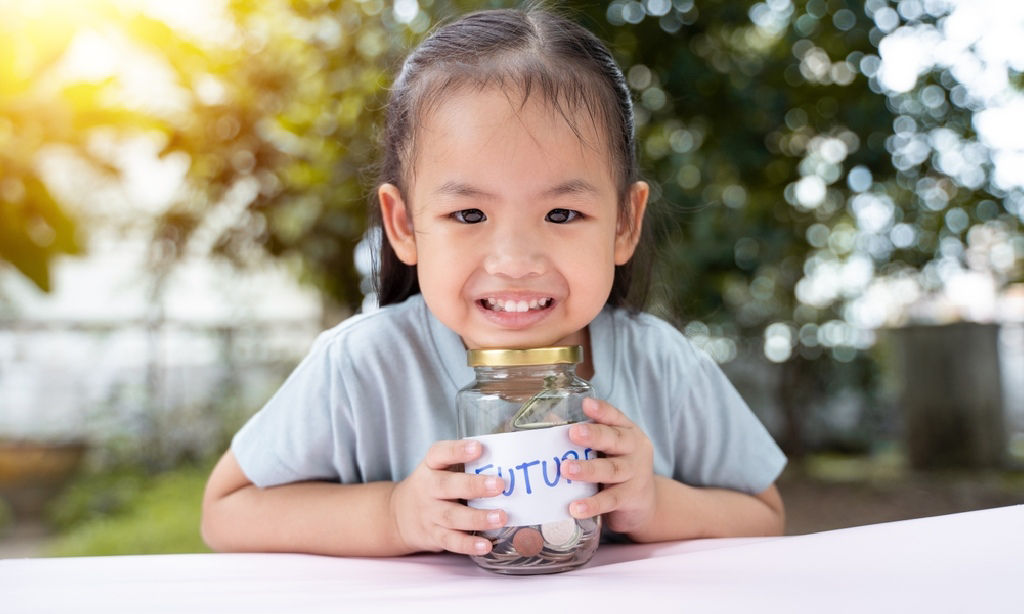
x=528, y=541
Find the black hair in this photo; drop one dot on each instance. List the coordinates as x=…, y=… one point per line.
x=520, y=50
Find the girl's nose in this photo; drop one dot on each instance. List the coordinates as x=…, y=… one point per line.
x=515, y=255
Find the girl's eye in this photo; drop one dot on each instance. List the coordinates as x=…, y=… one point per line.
x=562, y=216
x=469, y=216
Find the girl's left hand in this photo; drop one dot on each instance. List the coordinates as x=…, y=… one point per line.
x=626, y=471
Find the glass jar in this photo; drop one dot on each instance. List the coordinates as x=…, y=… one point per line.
x=520, y=408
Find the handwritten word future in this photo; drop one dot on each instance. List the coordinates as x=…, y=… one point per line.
x=524, y=471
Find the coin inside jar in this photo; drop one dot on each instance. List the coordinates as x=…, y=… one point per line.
x=528, y=541
x=561, y=533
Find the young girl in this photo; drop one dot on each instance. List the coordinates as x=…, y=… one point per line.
x=511, y=208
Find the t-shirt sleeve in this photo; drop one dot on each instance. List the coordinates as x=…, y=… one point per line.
x=294, y=437
x=724, y=442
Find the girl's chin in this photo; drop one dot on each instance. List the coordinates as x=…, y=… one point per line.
x=521, y=339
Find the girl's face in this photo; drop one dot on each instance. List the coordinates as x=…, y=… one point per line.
x=512, y=221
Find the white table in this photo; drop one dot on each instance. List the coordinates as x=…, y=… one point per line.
x=972, y=562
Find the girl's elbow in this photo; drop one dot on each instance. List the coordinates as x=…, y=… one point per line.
x=776, y=524
x=210, y=529
x=218, y=522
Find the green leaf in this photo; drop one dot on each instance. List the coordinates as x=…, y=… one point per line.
x=31, y=260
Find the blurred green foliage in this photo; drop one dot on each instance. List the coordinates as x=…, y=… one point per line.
x=34, y=227
x=751, y=118
x=129, y=512
x=94, y=494
x=141, y=493
x=777, y=157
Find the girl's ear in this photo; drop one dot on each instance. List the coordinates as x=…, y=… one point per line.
x=627, y=233
x=397, y=223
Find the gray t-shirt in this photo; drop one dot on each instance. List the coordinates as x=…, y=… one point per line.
x=378, y=389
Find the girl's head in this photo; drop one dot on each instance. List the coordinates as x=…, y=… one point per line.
x=541, y=76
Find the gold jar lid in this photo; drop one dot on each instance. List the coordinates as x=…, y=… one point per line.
x=563, y=354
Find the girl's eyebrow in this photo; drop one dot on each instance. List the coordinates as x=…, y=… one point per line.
x=457, y=188
x=573, y=186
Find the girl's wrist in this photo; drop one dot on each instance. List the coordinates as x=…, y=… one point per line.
x=671, y=497
x=397, y=541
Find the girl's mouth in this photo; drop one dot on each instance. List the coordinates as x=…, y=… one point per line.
x=514, y=306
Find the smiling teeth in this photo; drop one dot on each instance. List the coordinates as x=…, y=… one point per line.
x=497, y=304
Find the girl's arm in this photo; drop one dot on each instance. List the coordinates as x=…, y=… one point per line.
x=419, y=513
x=312, y=517
x=687, y=512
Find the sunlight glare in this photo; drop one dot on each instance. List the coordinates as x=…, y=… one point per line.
x=90, y=57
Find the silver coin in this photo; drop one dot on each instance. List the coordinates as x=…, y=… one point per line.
x=561, y=533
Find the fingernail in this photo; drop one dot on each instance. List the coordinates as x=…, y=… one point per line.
x=582, y=431
x=471, y=447
x=491, y=484
x=578, y=509
x=493, y=518
x=480, y=546
x=571, y=467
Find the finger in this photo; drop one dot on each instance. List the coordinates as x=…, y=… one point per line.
x=609, y=470
x=444, y=454
x=605, y=501
x=461, y=543
x=461, y=517
x=605, y=413
x=453, y=485
x=607, y=439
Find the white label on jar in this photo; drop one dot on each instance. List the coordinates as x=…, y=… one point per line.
x=530, y=462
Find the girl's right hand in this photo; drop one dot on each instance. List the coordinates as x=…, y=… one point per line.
x=426, y=509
